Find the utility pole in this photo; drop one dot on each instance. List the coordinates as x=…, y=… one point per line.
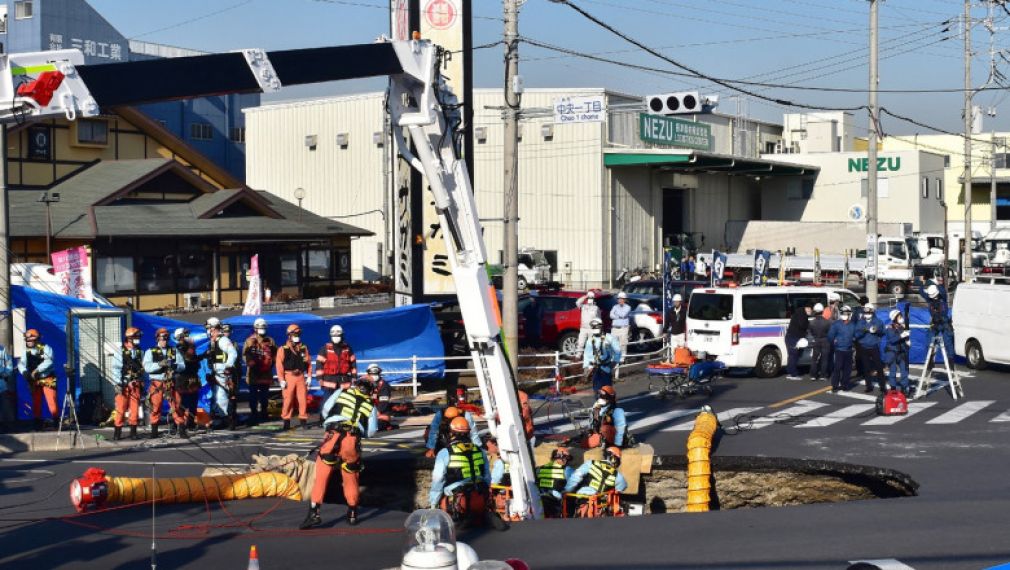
x=6, y=311
x=967, y=273
x=510, y=293
x=871, y=182
x=992, y=180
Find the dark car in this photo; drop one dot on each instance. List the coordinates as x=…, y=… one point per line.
x=655, y=287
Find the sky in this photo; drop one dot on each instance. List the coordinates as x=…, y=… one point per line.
x=811, y=43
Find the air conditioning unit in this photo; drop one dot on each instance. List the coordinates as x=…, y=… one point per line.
x=193, y=300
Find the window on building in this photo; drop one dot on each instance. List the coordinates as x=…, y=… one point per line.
x=939, y=189
x=342, y=262
x=946, y=161
x=289, y=269
x=770, y=147
x=156, y=274
x=237, y=135
x=3, y=19
x=114, y=275
x=318, y=264
x=925, y=188
x=24, y=9
x=1002, y=160
x=201, y=132
x=195, y=271
x=883, y=188
x=92, y=132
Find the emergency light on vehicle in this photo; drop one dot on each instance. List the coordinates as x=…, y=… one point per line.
x=735, y=335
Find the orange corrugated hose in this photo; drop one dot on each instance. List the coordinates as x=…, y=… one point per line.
x=699, y=466
x=126, y=490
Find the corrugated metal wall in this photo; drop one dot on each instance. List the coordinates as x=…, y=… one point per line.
x=338, y=181
x=638, y=213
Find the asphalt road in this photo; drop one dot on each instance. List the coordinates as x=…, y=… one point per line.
x=955, y=450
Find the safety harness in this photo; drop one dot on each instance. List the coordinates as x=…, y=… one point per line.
x=295, y=358
x=465, y=463
x=602, y=476
x=551, y=477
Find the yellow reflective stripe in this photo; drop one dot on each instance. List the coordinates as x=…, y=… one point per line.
x=33, y=69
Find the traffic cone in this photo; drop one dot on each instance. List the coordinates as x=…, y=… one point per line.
x=254, y=559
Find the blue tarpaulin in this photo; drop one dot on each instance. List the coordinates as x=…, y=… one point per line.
x=395, y=333
x=919, y=337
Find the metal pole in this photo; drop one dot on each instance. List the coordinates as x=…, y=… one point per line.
x=966, y=184
x=6, y=316
x=49, y=231
x=510, y=293
x=871, y=186
x=992, y=184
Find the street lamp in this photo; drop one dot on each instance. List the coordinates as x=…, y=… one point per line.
x=299, y=195
x=49, y=198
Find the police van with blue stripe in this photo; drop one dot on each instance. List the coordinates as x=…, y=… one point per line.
x=745, y=327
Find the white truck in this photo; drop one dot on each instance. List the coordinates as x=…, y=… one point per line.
x=898, y=262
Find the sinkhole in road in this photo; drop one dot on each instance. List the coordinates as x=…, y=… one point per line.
x=738, y=482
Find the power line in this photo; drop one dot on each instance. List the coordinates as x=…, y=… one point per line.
x=196, y=19
x=691, y=70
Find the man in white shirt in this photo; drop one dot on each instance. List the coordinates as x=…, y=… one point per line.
x=589, y=311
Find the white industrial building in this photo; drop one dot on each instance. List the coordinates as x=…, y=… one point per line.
x=597, y=196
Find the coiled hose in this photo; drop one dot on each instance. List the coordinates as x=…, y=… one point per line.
x=699, y=465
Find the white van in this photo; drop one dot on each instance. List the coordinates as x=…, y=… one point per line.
x=980, y=314
x=745, y=327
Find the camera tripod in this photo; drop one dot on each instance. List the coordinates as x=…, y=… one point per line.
x=926, y=378
x=71, y=407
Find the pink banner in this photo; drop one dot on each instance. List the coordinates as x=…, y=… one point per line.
x=254, y=297
x=73, y=268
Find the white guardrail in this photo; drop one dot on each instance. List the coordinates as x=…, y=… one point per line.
x=557, y=371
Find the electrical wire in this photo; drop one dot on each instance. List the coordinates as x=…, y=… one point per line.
x=191, y=20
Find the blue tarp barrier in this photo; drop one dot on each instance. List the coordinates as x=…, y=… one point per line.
x=396, y=333
x=919, y=337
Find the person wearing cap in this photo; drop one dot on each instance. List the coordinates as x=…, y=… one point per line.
x=128, y=381
x=676, y=320
x=187, y=382
x=221, y=356
x=294, y=366
x=38, y=370
x=348, y=415
x=259, y=351
x=588, y=311
x=609, y=425
x=896, y=349
x=601, y=354
x=162, y=362
x=820, y=365
x=796, y=339
x=869, y=334
x=935, y=295
x=842, y=335
x=620, y=322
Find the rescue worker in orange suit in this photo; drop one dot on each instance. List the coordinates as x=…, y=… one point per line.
x=347, y=415
x=597, y=477
x=551, y=480
x=187, y=383
x=461, y=478
x=258, y=352
x=293, y=368
x=39, y=372
x=162, y=363
x=610, y=424
x=336, y=365
x=439, y=435
x=128, y=381
x=381, y=397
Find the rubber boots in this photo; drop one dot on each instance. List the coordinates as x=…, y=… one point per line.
x=133, y=432
x=352, y=515
x=154, y=431
x=287, y=425
x=312, y=519
x=182, y=431
x=117, y=434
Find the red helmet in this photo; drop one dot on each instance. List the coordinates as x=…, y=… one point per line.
x=451, y=412
x=612, y=455
x=459, y=426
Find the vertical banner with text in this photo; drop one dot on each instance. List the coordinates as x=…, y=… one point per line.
x=403, y=222
x=718, y=267
x=73, y=268
x=762, y=259
x=254, y=296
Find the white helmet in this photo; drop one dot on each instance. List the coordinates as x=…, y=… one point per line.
x=833, y=297
x=336, y=330
x=179, y=333
x=933, y=291
x=213, y=323
x=590, y=295
x=622, y=295
x=678, y=297
x=894, y=314
x=374, y=369
x=818, y=308
x=596, y=324
x=260, y=323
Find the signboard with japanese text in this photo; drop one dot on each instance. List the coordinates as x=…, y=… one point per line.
x=657, y=129
x=591, y=109
x=254, y=296
x=73, y=268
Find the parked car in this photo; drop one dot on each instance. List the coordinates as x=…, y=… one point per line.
x=655, y=287
x=745, y=327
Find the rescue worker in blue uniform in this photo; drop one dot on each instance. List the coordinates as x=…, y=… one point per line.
x=438, y=430
x=460, y=481
x=552, y=479
x=601, y=355
x=869, y=334
x=896, y=351
x=935, y=295
x=597, y=477
x=841, y=336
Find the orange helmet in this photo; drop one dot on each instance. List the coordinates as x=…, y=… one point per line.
x=450, y=413
x=31, y=334
x=294, y=329
x=132, y=333
x=162, y=332
x=609, y=391
x=612, y=455
x=459, y=426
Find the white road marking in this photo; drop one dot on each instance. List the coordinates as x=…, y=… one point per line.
x=723, y=417
x=802, y=407
x=1004, y=417
x=885, y=564
x=857, y=395
x=837, y=415
x=913, y=408
x=961, y=412
x=660, y=418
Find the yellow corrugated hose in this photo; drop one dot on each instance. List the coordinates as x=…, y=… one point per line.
x=125, y=490
x=699, y=466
